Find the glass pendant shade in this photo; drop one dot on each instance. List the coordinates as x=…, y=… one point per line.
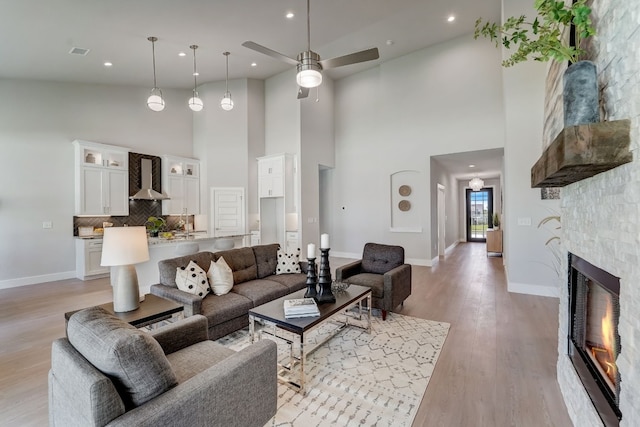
x=226, y=103
x=476, y=184
x=309, y=78
x=195, y=103
x=155, y=102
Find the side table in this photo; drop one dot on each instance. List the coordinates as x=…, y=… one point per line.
x=152, y=310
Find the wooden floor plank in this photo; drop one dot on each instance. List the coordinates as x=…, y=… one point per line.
x=497, y=367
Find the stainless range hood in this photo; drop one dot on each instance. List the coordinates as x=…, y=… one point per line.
x=146, y=175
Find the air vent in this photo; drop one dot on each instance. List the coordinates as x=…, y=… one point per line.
x=79, y=51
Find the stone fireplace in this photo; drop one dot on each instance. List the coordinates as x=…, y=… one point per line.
x=601, y=214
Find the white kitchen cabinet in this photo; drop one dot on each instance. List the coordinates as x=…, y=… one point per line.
x=88, y=256
x=101, y=179
x=277, y=200
x=181, y=182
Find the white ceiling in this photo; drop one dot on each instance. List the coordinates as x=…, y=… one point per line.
x=487, y=163
x=36, y=35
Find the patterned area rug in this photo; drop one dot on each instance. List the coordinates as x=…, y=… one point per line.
x=361, y=379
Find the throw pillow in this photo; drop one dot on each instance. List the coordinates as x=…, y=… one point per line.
x=288, y=263
x=192, y=279
x=131, y=358
x=220, y=277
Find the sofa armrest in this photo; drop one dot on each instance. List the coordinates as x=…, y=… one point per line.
x=397, y=283
x=241, y=390
x=348, y=270
x=192, y=303
x=181, y=334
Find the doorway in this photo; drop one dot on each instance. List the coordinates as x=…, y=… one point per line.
x=479, y=214
x=441, y=220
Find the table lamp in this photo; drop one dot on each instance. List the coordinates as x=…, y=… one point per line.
x=122, y=247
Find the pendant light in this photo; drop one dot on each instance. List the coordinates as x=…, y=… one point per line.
x=195, y=103
x=308, y=68
x=476, y=184
x=227, y=103
x=155, y=101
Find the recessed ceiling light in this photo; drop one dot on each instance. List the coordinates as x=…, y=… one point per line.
x=196, y=73
x=389, y=42
x=108, y=64
x=290, y=15
x=253, y=64
x=182, y=54
x=451, y=18
x=472, y=166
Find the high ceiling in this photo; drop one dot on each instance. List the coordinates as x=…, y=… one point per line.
x=37, y=35
x=486, y=163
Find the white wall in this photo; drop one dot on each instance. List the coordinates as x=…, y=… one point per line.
x=528, y=261
x=282, y=114
x=394, y=117
x=38, y=121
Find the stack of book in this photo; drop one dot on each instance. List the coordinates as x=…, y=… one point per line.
x=301, y=307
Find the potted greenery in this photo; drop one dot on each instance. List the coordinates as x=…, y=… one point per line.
x=546, y=38
x=496, y=221
x=155, y=225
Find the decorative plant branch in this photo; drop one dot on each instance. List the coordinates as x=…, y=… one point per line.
x=545, y=37
x=554, y=243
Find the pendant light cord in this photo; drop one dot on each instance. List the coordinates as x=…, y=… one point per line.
x=227, y=79
x=195, y=72
x=153, y=53
x=308, y=26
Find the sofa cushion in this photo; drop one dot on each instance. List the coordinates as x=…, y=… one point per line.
x=167, y=267
x=261, y=291
x=242, y=262
x=193, y=279
x=194, y=359
x=220, y=277
x=131, y=358
x=266, y=259
x=379, y=259
x=219, y=309
x=288, y=263
x=293, y=282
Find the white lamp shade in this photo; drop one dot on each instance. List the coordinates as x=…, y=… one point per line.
x=124, y=246
x=309, y=78
x=226, y=103
x=155, y=103
x=196, y=103
x=476, y=184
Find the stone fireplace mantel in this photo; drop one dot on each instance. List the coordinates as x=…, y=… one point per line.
x=582, y=151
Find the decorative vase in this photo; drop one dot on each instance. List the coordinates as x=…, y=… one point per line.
x=312, y=279
x=153, y=233
x=324, y=279
x=580, y=94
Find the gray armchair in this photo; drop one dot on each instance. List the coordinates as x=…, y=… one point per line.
x=107, y=373
x=381, y=268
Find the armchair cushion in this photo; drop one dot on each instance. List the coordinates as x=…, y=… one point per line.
x=131, y=358
x=379, y=259
x=373, y=281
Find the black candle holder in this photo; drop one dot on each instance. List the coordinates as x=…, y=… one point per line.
x=325, y=295
x=312, y=279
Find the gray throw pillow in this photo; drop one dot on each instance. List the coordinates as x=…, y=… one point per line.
x=132, y=359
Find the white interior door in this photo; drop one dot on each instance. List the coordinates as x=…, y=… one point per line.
x=441, y=220
x=227, y=211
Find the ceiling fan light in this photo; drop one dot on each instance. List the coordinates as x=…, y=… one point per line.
x=476, y=184
x=195, y=103
x=155, y=101
x=226, y=103
x=309, y=78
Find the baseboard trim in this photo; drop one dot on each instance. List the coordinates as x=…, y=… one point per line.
x=345, y=255
x=34, y=280
x=525, y=288
x=419, y=261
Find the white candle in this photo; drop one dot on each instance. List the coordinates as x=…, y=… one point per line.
x=311, y=251
x=324, y=241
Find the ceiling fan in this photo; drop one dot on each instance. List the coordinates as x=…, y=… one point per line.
x=309, y=64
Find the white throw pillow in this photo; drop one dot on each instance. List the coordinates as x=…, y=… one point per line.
x=192, y=279
x=220, y=277
x=288, y=263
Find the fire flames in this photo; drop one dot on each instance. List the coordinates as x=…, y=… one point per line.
x=606, y=357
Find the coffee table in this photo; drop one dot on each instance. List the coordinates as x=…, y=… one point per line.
x=271, y=316
x=152, y=309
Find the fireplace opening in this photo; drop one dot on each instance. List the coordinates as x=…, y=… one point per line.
x=594, y=342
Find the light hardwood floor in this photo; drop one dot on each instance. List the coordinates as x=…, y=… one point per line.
x=497, y=367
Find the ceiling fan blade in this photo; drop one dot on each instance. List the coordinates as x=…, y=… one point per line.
x=352, y=58
x=303, y=92
x=269, y=52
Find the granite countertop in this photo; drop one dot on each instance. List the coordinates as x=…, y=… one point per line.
x=153, y=241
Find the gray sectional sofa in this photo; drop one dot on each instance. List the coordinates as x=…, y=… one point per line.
x=255, y=283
